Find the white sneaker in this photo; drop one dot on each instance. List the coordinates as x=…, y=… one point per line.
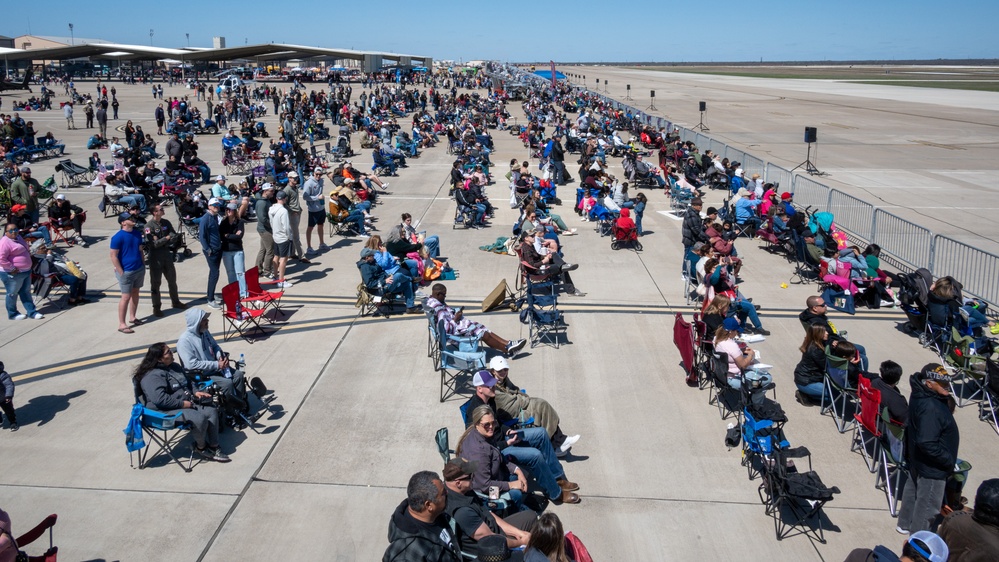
x=901, y=531
x=385, y=185
x=19, y=317
x=285, y=284
x=568, y=443
x=364, y=235
x=571, y=231
x=38, y=316
x=887, y=304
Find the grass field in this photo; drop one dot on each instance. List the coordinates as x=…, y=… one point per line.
x=980, y=78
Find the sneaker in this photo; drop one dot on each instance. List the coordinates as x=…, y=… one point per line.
x=385, y=185
x=284, y=284
x=762, y=331
x=365, y=235
x=323, y=248
x=19, y=317
x=14, y=427
x=213, y=304
x=304, y=260
x=38, y=316
x=214, y=454
x=311, y=252
x=570, y=267
x=571, y=232
x=901, y=531
x=887, y=304
x=414, y=310
x=513, y=347
x=568, y=443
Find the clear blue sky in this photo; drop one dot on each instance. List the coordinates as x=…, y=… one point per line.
x=517, y=30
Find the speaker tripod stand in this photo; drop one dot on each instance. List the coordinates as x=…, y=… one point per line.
x=808, y=164
x=701, y=126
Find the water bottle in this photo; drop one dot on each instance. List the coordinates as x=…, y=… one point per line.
x=242, y=361
x=522, y=419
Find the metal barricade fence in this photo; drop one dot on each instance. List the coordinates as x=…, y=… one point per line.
x=852, y=214
x=810, y=193
x=976, y=269
x=717, y=147
x=752, y=165
x=908, y=244
x=733, y=155
x=778, y=176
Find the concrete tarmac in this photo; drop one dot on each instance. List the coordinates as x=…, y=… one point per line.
x=358, y=407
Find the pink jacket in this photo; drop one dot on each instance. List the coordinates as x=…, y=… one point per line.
x=14, y=253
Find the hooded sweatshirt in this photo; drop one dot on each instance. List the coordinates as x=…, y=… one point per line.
x=414, y=541
x=197, y=351
x=932, y=437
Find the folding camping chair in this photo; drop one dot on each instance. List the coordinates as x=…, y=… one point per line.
x=892, y=469
x=762, y=431
x=546, y=323
x=34, y=534
x=500, y=505
x=238, y=318
x=866, y=433
x=987, y=407
x=165, y=430
x=968, y=384
x=794, y=499
x=842, y=397
x=728, y=400
x=456, y=361
x=261, y=295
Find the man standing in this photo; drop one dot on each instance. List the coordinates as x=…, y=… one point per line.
x=102, y=121
x=126, y=257
x=114, y=107
x=24, y=191
x=281, y=230
x=312, y=192
x=160, y=238
x=211, y=246
x=419, y=529
x=265, y=255
x=558, y=160
x=294, y=206
x=160, y=117
x=67, y=111
x=473, y=520
x=931, y=442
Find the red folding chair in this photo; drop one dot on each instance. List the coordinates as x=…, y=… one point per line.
x=33, y=535
x=259, y=294
x=683, y=338
x=239, y=318
x=867, y=433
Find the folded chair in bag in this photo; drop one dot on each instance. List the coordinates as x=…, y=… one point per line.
x=34, y=534
x=892, y=468
x=866, y=430
x=683, y=339
x=704, y=349
x=838, y=398
x=792, y=498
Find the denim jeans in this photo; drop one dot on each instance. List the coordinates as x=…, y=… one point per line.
x=921, y=501
x=18, y=285
x=214, y=261
x=812, y=390
x=401, y=284
x=535, y=454
x=235, y=269
x=134, y=200
x=42, y=233
x=743, y=310
x=433, y=245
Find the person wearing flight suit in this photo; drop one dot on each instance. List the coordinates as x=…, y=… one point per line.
x=160, y=237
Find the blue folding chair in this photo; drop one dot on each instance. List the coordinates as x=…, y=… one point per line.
x=458, y=356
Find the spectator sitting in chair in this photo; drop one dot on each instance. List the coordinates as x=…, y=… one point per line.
x=740, y=359
x=167, y=389
x=815, y=313
x=512, y=400
x=542, y=255
x=891, y=397
x=126, y=195
x=199, y=351
x=419, y=529
x=29, y=229
x=432, y=243
x=456, y=324
x=473, y=519
x=499, y=452
x=62, y=213
x=377, y=281
x=745, y=213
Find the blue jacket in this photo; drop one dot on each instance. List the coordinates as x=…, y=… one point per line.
x=208, y=234
x=744, y=209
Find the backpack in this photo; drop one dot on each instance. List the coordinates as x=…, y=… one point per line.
x=575, y=549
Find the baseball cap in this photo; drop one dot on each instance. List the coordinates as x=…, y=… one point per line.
x=281, y=194
x=125, y=217
x=220, y=177
x=293, y=174
x=18, y=208
x=61, y=197
x=731, y=324
x=213, y=202
x=935, y=372
x=936, y=549
x=232, y=206
x=266, y=186
x=483, y=378
x=25, y=169
x=458, y=467
x=498, y=363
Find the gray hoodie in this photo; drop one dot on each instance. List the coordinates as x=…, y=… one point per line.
x=198, y=351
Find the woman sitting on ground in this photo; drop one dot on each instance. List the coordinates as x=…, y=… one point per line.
x=811, y=369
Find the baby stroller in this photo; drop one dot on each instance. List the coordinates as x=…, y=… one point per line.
x=913, y=292
x=625, y=237
x=547, y=191
x=260, y=130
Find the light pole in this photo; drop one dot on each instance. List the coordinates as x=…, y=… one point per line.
x=72, y=39
x=150, y=37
